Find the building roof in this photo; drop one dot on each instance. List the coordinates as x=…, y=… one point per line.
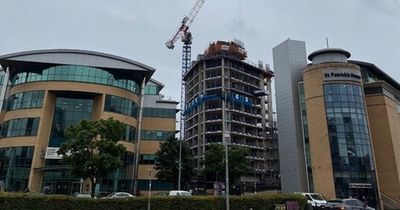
x=328, y=50
x=379, y=72
x=76, y=57
x=158, y=83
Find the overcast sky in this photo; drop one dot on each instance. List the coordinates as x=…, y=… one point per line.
x=138, y=29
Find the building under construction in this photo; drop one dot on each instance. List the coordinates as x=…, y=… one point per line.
x=226, y=97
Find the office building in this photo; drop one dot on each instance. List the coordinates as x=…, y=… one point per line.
x=342, y=159
x=229, y=98
x=53, y=89
x=382, y=97
x=349, y=112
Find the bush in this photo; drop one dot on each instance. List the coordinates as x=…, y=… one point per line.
x=30, y=201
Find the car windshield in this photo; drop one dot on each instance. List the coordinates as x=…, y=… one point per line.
x=317, y=197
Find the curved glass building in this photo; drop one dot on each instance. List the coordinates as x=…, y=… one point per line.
x=49, y=90
x=340, y=146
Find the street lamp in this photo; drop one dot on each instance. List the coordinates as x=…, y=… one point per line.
x=148, y=201
x=225, y=138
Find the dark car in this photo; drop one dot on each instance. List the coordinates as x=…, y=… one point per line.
x=348, y=204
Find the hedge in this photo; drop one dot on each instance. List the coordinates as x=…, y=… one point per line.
x=29, y=201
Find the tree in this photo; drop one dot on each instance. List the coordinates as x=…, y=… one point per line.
x=167, y=162
x=238, y=162
x=92, y=150
x=214, y=164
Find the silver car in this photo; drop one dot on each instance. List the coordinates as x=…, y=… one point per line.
x=348, y=204
x=119, y=195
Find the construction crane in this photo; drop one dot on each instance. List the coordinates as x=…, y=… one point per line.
x=184, y=34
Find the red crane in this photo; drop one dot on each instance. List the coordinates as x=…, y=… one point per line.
x=183, y=30
x=186, y=37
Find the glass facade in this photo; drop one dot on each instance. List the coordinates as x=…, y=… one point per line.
x=147, y=159
x=15, y=166
x=76, y=74
x=129, y=134
x=25, y=100
x=155, y=185
x=20, y=127
x=121, y=179
x=151, y=90
x=121, y=106
x=350, y=143
x=306, y=137
x=159, y=113
x=157, y=135
x=68, y=111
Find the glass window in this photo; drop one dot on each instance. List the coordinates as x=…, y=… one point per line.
x=151, y=90
x=121, y=105
x=25, y=100
x=129, y=134
x=68, y=111
x=15, y=166
x=157, y=135
x=20, y=127
x=159, y=112
x=350, y=141
x=77, y=74
x=148, y=159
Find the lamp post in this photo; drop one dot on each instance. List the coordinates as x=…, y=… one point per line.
x=81, y=185
x=255, y=181
x=225, y=138
x=148, y=201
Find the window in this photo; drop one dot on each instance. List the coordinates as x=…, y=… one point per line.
x=20, y=127
x=15, y=166
x=76, y=74
x=121, y=105
x=349, y=136
x=156, y=135
x=159, y=112
x=68, y=111
x=147, y=159
x=25, y=100
x=129, y=134
x=151, y=90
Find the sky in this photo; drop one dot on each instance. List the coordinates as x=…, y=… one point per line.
x=138, y=29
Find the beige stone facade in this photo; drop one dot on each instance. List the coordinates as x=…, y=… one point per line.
x=94, y=76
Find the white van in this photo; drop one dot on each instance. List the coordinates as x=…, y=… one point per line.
x=315, y=199
x=179, y=193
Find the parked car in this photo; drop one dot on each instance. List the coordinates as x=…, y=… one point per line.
x=315, y=200
x=179, y=193
x=119, y=195
x=348, y=204
x=82, y=195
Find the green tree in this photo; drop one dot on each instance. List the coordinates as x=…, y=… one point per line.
x=214, y=164
x=167, y=162
x=92, y=150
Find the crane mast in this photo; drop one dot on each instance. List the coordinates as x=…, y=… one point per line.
x=184, y=34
